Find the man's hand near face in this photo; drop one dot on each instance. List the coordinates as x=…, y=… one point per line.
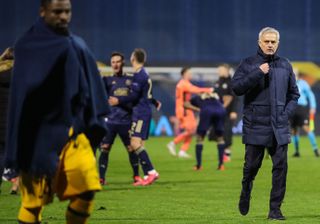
x=265, y=68
x=113, y=101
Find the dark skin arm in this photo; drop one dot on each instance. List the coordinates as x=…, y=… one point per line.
x=156, y=103
x=227, y=99
x=188, y=105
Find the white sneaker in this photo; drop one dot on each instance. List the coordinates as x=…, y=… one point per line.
x=172, y=148
x=183, y=154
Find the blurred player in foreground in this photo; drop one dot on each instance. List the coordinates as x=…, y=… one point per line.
x=56, y=111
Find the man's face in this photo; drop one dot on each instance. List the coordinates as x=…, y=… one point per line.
x=187, y=74
x=269, y=43
x=223, y=71
x=132, y=59
x=116, y=64
x=57, y=15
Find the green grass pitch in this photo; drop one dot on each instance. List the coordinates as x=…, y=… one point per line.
x=183, y=196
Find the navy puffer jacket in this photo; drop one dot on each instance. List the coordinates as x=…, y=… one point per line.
x=269, y=99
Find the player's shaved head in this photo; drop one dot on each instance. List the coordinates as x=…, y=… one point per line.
x=140, y=55
x=45, y=3
x=56, y=14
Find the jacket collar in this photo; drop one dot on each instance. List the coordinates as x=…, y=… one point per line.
x=267, y=58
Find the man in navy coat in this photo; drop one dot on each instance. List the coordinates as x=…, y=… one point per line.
x=270, y=95
x=56, y=117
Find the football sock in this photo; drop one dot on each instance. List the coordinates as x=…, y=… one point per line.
x=180, y=138
x=144, y=160
x=79, y=211
x=295, y=139
x=312, y=139
x=227, y=152
x=186, y=144
x=29, y=215
x=152, y=171
x=199, y=148
x=134, y=161
x=221, y=148
x=103, y=164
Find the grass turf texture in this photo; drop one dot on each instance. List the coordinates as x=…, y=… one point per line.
x=182, y=195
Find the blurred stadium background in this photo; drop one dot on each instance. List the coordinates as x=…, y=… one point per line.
x=178, y=33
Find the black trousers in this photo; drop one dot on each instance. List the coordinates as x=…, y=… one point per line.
x=227, y=132
x=227, y=136
x=253, y=160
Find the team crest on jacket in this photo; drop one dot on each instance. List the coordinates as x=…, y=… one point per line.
x=113, y=82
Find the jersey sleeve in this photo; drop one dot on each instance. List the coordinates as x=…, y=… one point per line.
x=134, y=94
x=106, y=86
x=189, y=87
x=155, y=102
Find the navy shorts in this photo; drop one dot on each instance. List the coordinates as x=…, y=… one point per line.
x=140, y=128
x=123, y=130
x=213, y=117
x=300, y=117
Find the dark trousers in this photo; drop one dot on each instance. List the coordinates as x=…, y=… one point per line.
x=227, y=135
x=253, y=160
x=227, y=132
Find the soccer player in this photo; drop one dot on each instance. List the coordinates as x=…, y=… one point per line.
x=6, y=65
x=119, y=119
x=187, y=120
x=301, y=115
x=212, y=113
x=229, y=99
x=56, y=117
x=141, y=98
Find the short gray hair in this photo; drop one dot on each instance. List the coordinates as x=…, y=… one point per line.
x=269, y=30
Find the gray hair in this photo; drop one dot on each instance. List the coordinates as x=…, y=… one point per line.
x=269, y=30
